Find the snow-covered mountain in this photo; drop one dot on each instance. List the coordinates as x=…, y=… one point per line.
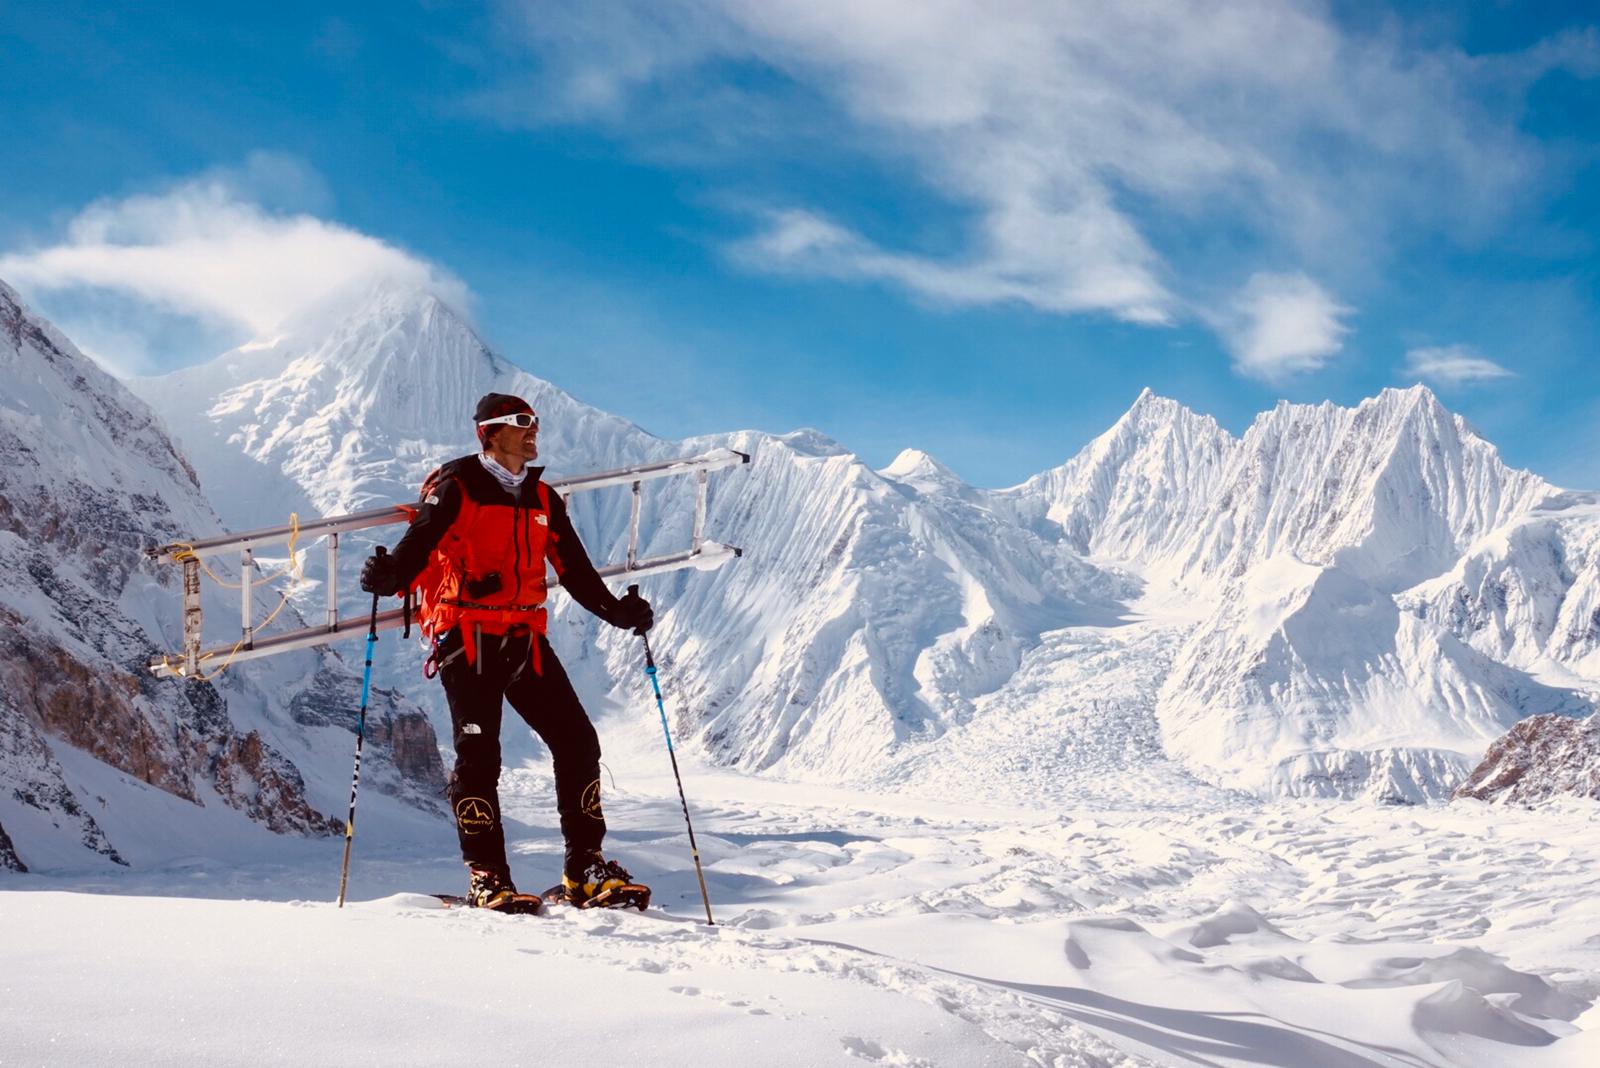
x=347, y=408
x=1311, y=680
x=95, y=753
x=1393, y=490
x=869, y=610
x=1140, y=492
x=1318, y=643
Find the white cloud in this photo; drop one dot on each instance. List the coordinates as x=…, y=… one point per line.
x=1283, y=325
x=210, y=248
x=1453, y=365
x=1111, y=157
x=1074, y=280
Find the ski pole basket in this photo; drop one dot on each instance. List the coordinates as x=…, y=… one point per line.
x=701, y=553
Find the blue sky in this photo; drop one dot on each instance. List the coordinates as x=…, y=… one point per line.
x=905, y=224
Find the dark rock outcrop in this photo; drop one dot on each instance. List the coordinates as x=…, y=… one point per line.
x=9, y=861
x=31, y=775
x=1540, y=758
x=405, y=748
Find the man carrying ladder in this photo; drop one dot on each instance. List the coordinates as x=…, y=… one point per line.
x=476, y=552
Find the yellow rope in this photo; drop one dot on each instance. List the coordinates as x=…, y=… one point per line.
x=296, y=579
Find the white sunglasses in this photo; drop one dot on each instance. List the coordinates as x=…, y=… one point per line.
x=521, y=420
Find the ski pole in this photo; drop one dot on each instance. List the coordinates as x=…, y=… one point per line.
x=650, y=669
x=361, y=734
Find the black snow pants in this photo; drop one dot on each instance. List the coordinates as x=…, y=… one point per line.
x=546, y=701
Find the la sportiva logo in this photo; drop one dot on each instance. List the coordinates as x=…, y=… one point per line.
x=473, y=815
x=590, y=802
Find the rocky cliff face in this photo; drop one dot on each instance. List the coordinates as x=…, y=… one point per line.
x=88, y=481
x=1541, y=758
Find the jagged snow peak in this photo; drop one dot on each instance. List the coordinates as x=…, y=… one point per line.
x=353, y=406
x=876, y=611
x=1394, y=489
x=1138, y=492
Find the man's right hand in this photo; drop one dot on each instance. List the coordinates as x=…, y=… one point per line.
x=380, y=575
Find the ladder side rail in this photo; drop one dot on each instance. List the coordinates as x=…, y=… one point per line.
x=715, y=460
x=191, y=615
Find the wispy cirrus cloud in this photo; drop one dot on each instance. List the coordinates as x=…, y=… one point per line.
x=1132, y=160
x=216, y=247
x=1075, y=279
x=1453, y=365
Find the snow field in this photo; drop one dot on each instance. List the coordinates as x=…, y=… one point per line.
x=890, y=929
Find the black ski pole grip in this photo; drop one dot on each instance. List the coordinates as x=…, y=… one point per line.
x=633, y=591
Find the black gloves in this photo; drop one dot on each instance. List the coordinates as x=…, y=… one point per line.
x=632, y=613
x=380, y=574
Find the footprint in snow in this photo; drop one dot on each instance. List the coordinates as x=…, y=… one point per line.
x=654, y=967
x=868, y=1050
x=740, y=1004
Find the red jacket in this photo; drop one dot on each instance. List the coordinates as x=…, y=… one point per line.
x=476, y=551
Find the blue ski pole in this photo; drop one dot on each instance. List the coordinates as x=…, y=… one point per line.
x=650, y=669
x=361, y=734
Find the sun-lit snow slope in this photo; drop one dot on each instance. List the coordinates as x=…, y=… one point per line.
x=1138, y=493
x=865, y=616
x=88, y=738
x=1529, y=592
x=1309, y=680
x=852, y=927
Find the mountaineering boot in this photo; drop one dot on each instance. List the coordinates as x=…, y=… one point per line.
x=592, y=882
x=488, y=889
